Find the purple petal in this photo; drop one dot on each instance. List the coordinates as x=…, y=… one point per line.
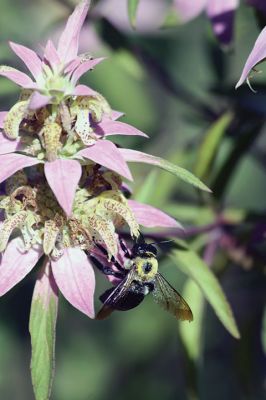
x=16, y=264
x=152, y=217
x=109, y=127
x=70, y=67
x=69, y=40
x=221, y=14
x=50, y=53
x=189, y=9
x=29, y=57
x=75, y=278
x=105, y=153
x=258, y=53
x=7, y=145
x=63, y=177
x=11, y=163
x=16, y=76
x=37, y=100
x=83, y=90
x=84, y=67
x=3, y=114
x=116, y=115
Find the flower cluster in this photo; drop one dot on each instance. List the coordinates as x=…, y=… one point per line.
x=62, y=179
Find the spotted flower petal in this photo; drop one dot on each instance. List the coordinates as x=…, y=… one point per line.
x=14, y=118
x=221, y=14
x=258, y=53
x=107, y=154
x=63, y=177
x=29, y=57
x=11, y=163
x=16, y=76
x=152, y=217
x=75, y=278
x=69, y=40
x=15, y=264
x=109, y=127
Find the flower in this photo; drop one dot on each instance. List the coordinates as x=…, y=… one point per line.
x=220, y=13
x=57, y=121
x=257, y=55
x=71, y=196
x=41, y=228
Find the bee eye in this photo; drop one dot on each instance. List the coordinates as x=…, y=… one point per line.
x=147, y=267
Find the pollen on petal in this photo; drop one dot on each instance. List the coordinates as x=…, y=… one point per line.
x=8, y=226
x=50, y=235
x=123, y=211
x=106, y=231
x=51, y=133
x=14, y=118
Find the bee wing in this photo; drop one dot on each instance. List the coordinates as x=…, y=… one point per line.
x=166, y=296
x=118, y=292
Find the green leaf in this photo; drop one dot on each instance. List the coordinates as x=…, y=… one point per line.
x=210, y=144
x=144, y=193
x=137, y=156
x=132, y=6
x=191, y=333
x=192, y=265
x=42, y=329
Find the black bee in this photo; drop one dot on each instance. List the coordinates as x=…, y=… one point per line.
x=139, y=277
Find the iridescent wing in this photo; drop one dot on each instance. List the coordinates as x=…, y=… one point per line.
x=166, y=296
x=117, y=296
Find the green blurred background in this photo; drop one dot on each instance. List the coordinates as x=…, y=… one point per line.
x=173, y=84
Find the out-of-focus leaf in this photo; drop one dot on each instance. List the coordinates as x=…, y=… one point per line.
x=192, y=265
x=132, y=11
x=191, y=213
x=210, y=144
x=171, y=19
x=145, y=192
x=190, y=334
x=130, y=64
x=42, y=329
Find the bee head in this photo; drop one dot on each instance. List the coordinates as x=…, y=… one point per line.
x=146, y=268
x=144, y=250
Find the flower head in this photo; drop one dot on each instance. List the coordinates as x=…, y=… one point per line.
x=57, y=122
x=34, y=225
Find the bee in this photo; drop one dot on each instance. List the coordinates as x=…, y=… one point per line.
x=139, y=276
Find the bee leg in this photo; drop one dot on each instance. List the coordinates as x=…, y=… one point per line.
x=124, y=248
x=105, y=269
x=113, y=260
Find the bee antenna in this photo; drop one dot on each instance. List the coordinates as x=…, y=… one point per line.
x=163, y=241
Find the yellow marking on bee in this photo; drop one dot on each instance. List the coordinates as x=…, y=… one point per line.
x=145, y=263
